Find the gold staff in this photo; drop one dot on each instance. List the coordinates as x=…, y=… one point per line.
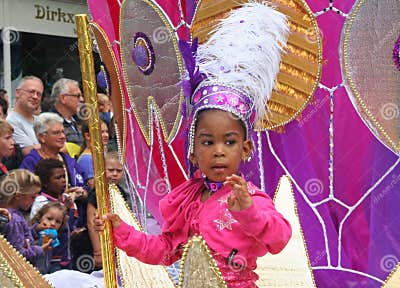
x=91, y=110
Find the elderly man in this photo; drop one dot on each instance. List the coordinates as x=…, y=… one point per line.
x=68, y=97
x=27, y=100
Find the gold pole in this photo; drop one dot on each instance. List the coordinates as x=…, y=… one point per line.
x=91, y=110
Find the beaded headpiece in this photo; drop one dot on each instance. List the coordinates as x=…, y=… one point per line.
x=236, y=68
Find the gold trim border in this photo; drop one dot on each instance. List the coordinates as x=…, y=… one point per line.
x=28, y=271
x=211, y=261
x=391, y=275
x=113, y=189
x=298, y=219
x=121, y=134
x=147, y=133
x=345, y=39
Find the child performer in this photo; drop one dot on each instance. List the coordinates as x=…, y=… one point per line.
x=236, y=70
x=51, y=216
x=24, y=186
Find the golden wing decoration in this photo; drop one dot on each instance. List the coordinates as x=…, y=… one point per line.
x=198, y=267
x=291, y=267
x=301, y=66
x=15, y=271
x=393, y=280
x=135, y=274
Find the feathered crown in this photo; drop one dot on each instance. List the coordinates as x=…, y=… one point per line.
x=236, y=69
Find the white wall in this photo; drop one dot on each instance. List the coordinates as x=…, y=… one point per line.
x=41, y=16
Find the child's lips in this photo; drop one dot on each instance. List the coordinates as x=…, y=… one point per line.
x=218, y=168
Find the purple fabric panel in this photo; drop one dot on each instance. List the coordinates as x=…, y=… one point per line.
x=340, y=279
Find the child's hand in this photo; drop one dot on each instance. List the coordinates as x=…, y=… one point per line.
x=76, y=193
x=241, y=199
x=5, y=212
x=77, y=231
x=47, y=246
x=99, y=223
x=41, y=226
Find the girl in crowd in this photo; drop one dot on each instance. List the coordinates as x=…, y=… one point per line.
x=23, y=187
x=7, y=148
x=85, y=156
x=52, y=175
x=50, y=216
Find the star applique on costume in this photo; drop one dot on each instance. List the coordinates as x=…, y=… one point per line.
x=223, y=200
x=225, y=221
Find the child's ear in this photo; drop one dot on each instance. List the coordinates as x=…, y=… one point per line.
x=247, y=146
x=192, y=159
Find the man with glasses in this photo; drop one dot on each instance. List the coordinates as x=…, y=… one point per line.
x=69, y=98
x=28, y=97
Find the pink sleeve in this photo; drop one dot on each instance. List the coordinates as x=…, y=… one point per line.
x=263, y=222
x=149, y=249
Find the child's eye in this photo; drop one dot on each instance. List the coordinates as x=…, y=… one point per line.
x=230, y=142
x=207, y=143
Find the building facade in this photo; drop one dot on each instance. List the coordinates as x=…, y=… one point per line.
x=38, y=37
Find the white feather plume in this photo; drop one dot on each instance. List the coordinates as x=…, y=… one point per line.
x=244, y=51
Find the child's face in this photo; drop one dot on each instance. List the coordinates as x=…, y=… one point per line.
x=104, y=134
x=6, y=145
x=53, y=218
x=25, y=201
x=219, y=144
x=114, y=171
x=104, y=105
x=57, y=183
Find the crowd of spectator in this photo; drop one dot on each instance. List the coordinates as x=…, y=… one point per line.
x=47, y=195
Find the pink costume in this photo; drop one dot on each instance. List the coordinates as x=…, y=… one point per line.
x=252, y=232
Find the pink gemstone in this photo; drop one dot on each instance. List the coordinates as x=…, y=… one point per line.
x=197, y=97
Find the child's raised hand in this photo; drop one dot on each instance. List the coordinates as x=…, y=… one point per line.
x=99, y=223
x=47, y=246
x=5, y=212
x=41, y=226
x=241, y=199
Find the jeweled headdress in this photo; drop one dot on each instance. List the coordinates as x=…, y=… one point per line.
x=236, y=69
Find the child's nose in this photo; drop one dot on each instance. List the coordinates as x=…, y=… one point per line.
x=219, y=150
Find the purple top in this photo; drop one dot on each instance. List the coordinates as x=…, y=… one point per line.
x=75, y=177
x=18, y=233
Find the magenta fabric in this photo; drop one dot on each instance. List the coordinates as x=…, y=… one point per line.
x=368, y=248
x=252, y=232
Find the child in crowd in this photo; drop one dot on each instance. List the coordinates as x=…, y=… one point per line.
x=4, y=218
x=105, y=108
x=237, y=220
x=23, y=187
x=53, y=177
x=114, y=175
x=85, y=160
x=50, y=217
x=7, y=148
